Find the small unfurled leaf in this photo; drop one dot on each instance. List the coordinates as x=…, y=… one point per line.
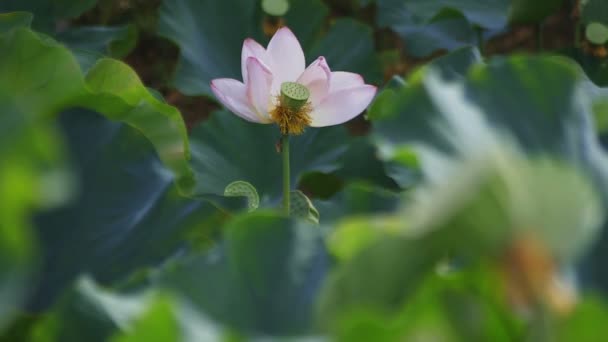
x=302, y=207
x=244, y=189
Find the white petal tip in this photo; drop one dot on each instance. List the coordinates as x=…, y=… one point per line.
x=249, y=42
x=286, y=30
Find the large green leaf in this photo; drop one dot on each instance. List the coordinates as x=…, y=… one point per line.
x=349, y=46
x=423, y=36
x=39, y=78
x=92, y=42
x=210, y=35
x=523, y=11
x=42, y=77
x=117, y=92
x=474, y=143
x=357, y=198
x=490, y=14
x=89, y=312
x=537, y=123
x=48, y=12
x=361, y=163
x=13, y=20
x=127, y=195
x=261, y=281
x=474, y=215
x=127, y=214
x=305, y=18
x=457, y=63
x=581, y=324
x=551, y=114
x=157, y=324
x=125, y=166
x=430, y=25
x=459, y=306
x=32, y=176
x=210, y=46
x=116, y=41
x=223, y=151
x=594, y=11
x=372, y=248
x=393, y=123
x=595, y=68
x=401, y=265
x=451, y=66
x=225, y=148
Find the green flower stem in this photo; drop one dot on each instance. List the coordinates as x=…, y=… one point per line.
x=286, y=172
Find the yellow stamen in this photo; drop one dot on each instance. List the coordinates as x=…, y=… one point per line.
x=292, y=112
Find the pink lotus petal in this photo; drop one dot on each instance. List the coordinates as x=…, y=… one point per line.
x=259, y=81
x=344, y=80
x=317, y=79
x=233, y=95
x=287, y=58
x=342, y=105
x=251, y=48
x=336, y=97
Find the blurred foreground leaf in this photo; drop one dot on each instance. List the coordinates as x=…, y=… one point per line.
x=489, y=178
x=581, y=325
x=42, y=77
x=32, y=176
x=127, y=215
x=262, y=281
x=553, y=114
x=459, y=306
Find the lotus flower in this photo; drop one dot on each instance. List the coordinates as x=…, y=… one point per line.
x=277, y=88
